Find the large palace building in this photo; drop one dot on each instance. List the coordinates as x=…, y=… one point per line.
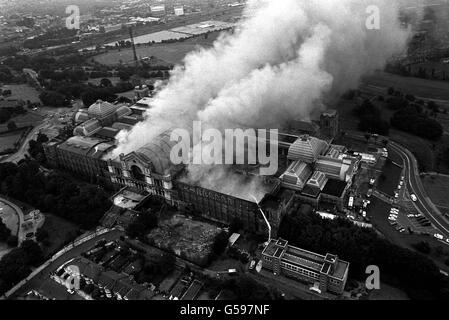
x=310, y=169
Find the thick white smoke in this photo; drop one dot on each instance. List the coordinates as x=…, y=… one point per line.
x=280, y=64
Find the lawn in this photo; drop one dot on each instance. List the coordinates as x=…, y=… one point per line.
x=424, y=88
x=426, y=152
x=22, y=92
x=8, y=140
x=172, y=53
x=437, y=188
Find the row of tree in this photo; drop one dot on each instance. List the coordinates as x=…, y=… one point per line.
x=370, y=119
x=18, y=263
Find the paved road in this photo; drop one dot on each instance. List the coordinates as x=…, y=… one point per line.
x=414, y=185
x=44, y=275
x=20, y=154
x=19, y=211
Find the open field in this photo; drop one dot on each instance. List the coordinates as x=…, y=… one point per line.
x=22, y=92
x=8, y=140
x=429, y=153
x=431, y=89
x=172, y=53
x=437, y=188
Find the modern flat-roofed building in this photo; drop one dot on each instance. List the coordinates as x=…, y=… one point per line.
x=328, y=272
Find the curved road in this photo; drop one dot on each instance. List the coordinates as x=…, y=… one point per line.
x=44, y=274
x=414, y=185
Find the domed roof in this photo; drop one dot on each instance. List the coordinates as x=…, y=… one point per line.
x=157, y=152
x=87, y=128
x=101, y=109
x=81, y=116
x=123, y=111
x=306, y=149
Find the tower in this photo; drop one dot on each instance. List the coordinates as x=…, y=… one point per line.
x=133, y=45
x=330, y=123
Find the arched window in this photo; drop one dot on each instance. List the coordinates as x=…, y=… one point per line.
x=137, y=173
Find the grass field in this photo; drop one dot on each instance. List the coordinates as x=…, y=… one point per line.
x=437, y=188
x=427, y=152
x=7, y=140
x=419, y=87
x=22, y=92
x=172, y=53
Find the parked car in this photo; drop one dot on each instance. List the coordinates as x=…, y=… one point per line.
x=438, y=236
x=413, y=197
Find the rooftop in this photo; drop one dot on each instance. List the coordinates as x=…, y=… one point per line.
x=306, y=149
x=334, y=188
x=307, y=259
x=101, y=109
x=86, y=146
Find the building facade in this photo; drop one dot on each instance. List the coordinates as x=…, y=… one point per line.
x=328, y=272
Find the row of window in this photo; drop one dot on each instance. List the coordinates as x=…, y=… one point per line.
x=302, y=271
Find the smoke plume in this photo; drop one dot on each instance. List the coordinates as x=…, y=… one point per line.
x=281, y=63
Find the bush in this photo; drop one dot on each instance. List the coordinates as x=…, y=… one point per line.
x=412, y=121
x=12, y=241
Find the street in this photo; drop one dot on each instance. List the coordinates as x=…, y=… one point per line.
x=44, y=275
x=414, y=185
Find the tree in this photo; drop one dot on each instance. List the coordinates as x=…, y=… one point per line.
x=11, y=125
x=245, y=288
x=142, y=225
x=106, y=83
x=53, y=99
x=92, y=95
x=124, y=75
x=12, y=241
x=4, y=231
x=41, y=235
x=220, y=243
x=33, y=251
x=341, y=237
x=235, y=226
